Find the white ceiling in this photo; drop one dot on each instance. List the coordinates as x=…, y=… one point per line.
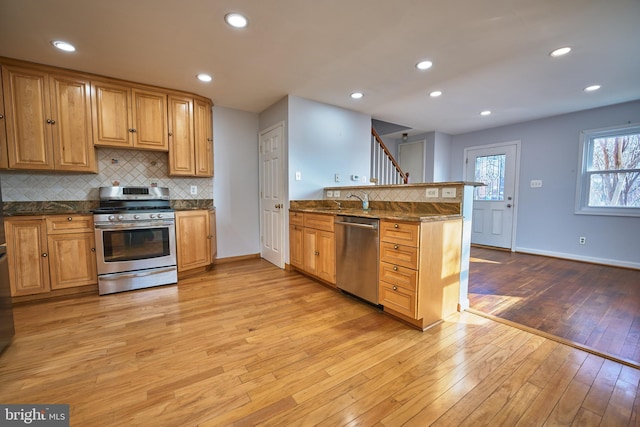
x=487, y=54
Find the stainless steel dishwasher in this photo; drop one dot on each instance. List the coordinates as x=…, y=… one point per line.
x=357, y=256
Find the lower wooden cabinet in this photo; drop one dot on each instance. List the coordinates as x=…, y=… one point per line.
x=419, y=269
x=46, y=253
x=312, y=246
x=195, y=239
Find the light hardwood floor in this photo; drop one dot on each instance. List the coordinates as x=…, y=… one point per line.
x=249, y=344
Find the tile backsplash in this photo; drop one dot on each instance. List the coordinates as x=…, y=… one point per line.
x=128, y=167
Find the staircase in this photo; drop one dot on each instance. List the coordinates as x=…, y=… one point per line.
x=385, y=170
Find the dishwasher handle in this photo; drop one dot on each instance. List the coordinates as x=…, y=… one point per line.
x=355, y=224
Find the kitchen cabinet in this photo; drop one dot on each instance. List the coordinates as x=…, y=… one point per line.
x=126, y=116
x=195, y=239
x=312, y=244
x=190, y=137
x=4, y=161
x=47, y=253
x=27, y=255
x=419, y=271
x=47, y=117
x=72, y=248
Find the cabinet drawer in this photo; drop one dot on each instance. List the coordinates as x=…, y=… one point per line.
x=399, y=232
x=404, y=277
x=405, y=256
x=296, y=218
x=398, y=299
x=58, y=224
x=319, y=221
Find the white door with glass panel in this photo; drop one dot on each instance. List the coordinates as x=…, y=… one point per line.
x=493, y=203
x=271, y=195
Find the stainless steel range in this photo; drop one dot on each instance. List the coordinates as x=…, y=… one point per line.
x=135, y=239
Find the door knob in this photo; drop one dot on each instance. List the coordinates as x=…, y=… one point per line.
x=509, y=205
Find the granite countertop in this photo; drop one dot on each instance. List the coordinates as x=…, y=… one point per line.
x=390, y=214
x=85, y=207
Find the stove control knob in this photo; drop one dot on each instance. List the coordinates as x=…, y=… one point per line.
x=111, y=218
x=160, y=215
x=136, y=217
x=152, y=216
x=120, y=217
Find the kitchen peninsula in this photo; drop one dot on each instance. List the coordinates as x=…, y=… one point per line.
x=424, y=243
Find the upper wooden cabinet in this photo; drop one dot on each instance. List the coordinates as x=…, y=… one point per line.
x=48, y=120
x=129, y=117
x=190, y=137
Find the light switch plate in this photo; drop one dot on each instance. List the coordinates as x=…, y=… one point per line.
x=432, y=192
x=536, y=183
x=298, y=175
x=329, y=193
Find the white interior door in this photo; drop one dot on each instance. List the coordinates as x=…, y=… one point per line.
x=494, y=203
x=271, y=195
x=411, y=159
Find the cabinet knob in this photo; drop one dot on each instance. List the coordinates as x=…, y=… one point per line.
x=132, y=130
x=49, y=121
x=44, y=255
x=210, y=139
x=317, y=253
x=395, y=288
x=93, y=249
x=395, y=225
x=53, y=122
x=170, y=133
x=69, y=219
x=209, y=237
x=395, y=246
x=395, y=268
x=1, y=116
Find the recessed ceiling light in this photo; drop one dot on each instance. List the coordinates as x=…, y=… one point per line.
x=560, y=52
x=204, y=77
x=357, y=95
x=424, y=65
x=435, y=93
x=591, y=88
x=67, y=47
x=485, y=113
x=236, y=20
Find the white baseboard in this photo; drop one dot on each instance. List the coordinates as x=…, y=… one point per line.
x=573, y=257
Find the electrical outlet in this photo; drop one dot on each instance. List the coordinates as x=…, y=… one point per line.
x=329, y=193
x=336, y=193
x=432, y=192
x=449, y=193
x=582, y=240
x=194, y=190
x=536, y=183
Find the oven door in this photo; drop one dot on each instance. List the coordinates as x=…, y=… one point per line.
x=135, y=245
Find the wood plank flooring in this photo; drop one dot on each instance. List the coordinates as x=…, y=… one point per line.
x=249, y=344
x=592, y=305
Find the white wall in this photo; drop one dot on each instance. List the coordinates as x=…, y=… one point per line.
x=235, y=182
x=324, y=140
x=546, y=222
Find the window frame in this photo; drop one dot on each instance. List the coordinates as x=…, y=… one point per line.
x=583, y=176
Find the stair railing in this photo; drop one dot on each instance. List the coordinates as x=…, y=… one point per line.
x=384, y=167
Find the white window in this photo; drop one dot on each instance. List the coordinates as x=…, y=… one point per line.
x=609, y=172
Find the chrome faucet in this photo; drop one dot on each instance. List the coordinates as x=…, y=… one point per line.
x=364, y=198
x=337, y=203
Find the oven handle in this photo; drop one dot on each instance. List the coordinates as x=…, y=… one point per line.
x=119, y=276
x=134, y=224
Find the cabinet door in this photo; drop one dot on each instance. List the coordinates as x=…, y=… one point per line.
x=71, y=124
x=309, y=251
x=27, y=255
x=296, y=254
x=181, y=144
x=326, y=249
x=111, y=113
x=4, y=160
x=26, y=97
x=150, y=119
x=193, y=244
x=213, y=235
x=72, y=260
x=203, y=138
